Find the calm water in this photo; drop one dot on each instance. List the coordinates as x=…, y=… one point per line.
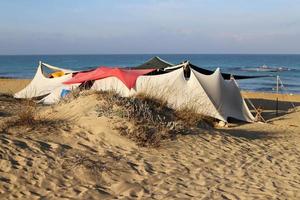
x=286, y=66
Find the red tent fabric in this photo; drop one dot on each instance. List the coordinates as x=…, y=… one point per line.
x=128, y=77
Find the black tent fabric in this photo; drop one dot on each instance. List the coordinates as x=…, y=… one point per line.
x=154, y=63
x=226, y=76
x=161, y=65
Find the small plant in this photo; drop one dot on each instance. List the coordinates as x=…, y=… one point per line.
x=27, y=113
x=95, y=165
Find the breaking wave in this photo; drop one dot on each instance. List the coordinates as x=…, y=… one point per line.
x=264, y=68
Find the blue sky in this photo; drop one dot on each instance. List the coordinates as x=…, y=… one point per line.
x=149, y=26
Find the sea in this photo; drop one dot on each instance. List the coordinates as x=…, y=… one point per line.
x=286, y=67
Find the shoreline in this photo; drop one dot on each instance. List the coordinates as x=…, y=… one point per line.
x=11, y=77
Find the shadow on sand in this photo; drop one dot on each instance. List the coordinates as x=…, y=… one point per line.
x=269, y=107
x=249, y=135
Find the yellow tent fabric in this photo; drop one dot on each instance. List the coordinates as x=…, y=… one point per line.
x=57, y=74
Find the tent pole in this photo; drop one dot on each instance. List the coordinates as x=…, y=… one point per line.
x=281, y=83
x=277, y=89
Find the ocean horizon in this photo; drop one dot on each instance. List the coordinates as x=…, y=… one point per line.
x=286, y=66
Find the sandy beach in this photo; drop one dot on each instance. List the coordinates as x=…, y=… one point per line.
x=76, y=153
x=11, y=86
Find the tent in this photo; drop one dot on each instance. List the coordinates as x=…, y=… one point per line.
x=182, y=86
x=42, y=85
x=154, y=63
x=210, y=95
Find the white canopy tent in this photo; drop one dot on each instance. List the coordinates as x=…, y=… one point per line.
x=42, y=85
x=209, y=95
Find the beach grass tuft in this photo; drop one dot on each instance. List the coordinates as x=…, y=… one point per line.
x=27, y=115
x=153, y=121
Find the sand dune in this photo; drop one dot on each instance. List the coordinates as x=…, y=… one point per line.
x=80, y=155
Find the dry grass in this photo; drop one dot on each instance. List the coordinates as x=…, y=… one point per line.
x=27, y=115
x=191, y=118
x=153, y=121
x=94, y=164
x=139, y=108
